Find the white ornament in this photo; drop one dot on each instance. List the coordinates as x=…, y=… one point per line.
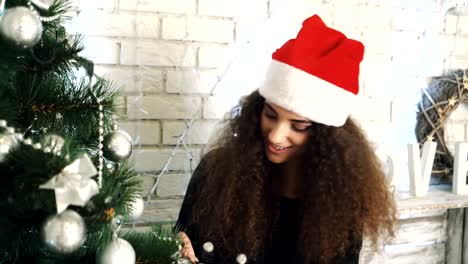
x=136, y=208
x=64, y=233
x=73, y=185
x=208, y=247
x=420, y=169
x=241, y=259
x=21, y=26
x=119, y=251
x=8, y=141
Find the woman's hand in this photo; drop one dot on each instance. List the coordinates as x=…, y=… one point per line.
x=187, y=249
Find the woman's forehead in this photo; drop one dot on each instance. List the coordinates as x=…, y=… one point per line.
x=285, y=112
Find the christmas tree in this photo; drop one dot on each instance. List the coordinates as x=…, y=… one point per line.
x=66, y=186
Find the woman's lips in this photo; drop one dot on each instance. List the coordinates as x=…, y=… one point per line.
x=277, y=150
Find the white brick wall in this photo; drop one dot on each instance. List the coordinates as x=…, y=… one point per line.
x=157, y=53
x=212, y=56
x=198, y=29
x=154, y=159
x=173, y=6
x=191, y=81
x=162, y=107
x=199, y=133
x=166, y=55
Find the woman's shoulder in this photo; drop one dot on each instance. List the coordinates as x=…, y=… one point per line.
x=214, y=156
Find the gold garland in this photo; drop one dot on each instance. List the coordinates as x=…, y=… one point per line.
x=438, y=101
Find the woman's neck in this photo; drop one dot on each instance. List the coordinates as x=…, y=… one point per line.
x=290, y=182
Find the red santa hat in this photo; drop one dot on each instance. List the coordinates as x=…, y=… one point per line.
x=315, y=75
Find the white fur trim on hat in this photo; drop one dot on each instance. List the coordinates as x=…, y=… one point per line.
x=307, y=95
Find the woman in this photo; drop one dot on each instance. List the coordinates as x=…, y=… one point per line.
x=292, y=179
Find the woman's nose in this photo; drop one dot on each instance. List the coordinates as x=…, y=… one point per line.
x=278, y=133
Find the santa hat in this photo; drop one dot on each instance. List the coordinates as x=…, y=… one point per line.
x=315, y=75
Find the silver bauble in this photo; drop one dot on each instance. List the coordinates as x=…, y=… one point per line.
x=118, y=251
x=21, y=26
x=136, y=208
x=64, y=233
x=7, y=142
x=117, y=146
x=43, y=4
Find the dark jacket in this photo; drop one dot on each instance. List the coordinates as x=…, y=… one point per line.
x=272, y=254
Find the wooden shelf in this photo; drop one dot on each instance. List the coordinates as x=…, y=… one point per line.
x=439, y=197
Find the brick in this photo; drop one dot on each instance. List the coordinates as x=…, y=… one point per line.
x=215, y=107
x=376, y=42
x=154, y=159
x=346, y=16
x=372, y=109
x=121, y=77
x=431, y=62
x=147, y=26
x=133, y=79
x=404, y=111
x=450, y=24
x=456, y=45
x=158, y=211
x=173, y=6
x=388, y=79
x=460, y=114
x=374, y=18
x=415, y=20
x=157, y=53
x=191, y=81
x=148, y=180
x=376, y=132
x=210, y=30
x=404, y=43
x=104, y=24
x=212, y=56
x=297, y=11
x=199, y=133
x=228, y=8
x=430, y=6
x=101, y=4
x=162, y=107
x=198, y=29
x=462, y=28
x=373, y=3
x=455, y=63
x=174, y=28
x=101, y=50
x=149, y=80
x=454, y=131
x=173, y=185
x=143, y=132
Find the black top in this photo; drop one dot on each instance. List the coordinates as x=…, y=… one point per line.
x=285, y=231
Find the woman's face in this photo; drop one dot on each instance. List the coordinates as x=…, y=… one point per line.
x=284, y=132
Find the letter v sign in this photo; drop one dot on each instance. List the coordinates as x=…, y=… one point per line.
x=420, y=168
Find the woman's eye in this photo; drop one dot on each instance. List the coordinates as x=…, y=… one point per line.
x=270, y=116
x=301, y=128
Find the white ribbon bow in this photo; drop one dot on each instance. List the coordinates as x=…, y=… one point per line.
x=73, y=185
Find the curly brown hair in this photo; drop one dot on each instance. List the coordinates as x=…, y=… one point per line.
x=346, y=196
